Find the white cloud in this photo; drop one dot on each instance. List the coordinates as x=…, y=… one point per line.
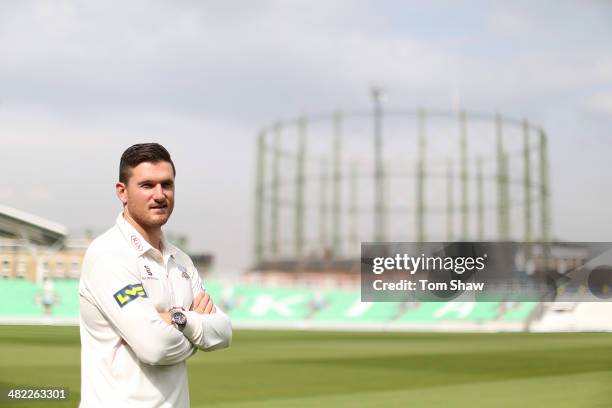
x=600, y=103
x=38, y=193
x=6, y=194
x=511, y=20
x=80, y=81
x=264, y=58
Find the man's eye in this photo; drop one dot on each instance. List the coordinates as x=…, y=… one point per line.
x=147, y=186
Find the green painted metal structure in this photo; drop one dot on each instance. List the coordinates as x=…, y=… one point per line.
x=502, y=170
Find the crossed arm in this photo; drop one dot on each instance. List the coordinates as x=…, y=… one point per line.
x=208, y=328
x=202, y=304
x=136, y=321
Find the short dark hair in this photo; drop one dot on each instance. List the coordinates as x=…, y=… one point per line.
x=140, y=153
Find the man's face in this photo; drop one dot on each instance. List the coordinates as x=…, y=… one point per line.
x=148, y=197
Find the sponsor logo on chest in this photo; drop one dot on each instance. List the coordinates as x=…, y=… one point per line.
x=183, y=270
x=149, y=274
x=136, y=242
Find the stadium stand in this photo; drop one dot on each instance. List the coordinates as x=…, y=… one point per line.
x=256, y=306
x=252, y=306
x=575, y=317
x=19, y=299
x=23, y=298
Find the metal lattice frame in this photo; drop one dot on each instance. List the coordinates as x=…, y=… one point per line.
x=340, y=215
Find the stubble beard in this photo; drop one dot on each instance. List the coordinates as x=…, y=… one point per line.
x=149, y=222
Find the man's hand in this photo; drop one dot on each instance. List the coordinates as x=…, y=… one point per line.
x=166, y=317
x=203, y=304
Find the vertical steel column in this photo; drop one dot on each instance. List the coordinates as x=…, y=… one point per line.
x=527, y=190
x=450, y=209
x=379, y=202
x=336, y=154
x=299, y=189
x=545, y=196
x=420, y=193
x=502, y=182
x=480, y=198
x=323, y=207
x=276, y=155
x=353, y=209
x=507, y=207
x=260, y=178
x=464, y=176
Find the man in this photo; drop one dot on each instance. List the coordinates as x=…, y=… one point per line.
x=143, y=309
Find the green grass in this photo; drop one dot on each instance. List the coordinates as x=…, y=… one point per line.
x=304, y=369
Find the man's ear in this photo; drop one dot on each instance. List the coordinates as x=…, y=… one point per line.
x=121, y=191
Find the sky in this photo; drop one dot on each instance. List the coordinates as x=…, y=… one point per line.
x=81, y=81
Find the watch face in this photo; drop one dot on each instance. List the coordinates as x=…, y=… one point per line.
x=179, y=319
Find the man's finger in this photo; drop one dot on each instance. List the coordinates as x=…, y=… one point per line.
x=197, y=300
x=201, y=306
x=208, y=307
x=197, y=303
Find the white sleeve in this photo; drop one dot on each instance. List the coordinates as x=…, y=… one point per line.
x=122, y=299
x=207, y=332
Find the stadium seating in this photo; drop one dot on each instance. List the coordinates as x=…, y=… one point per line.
x=68, y=298
x=20, y=298
x=252, y=304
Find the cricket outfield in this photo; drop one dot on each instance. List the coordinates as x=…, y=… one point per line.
x=304, y=369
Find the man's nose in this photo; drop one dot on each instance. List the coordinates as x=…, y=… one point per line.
x=158, y=193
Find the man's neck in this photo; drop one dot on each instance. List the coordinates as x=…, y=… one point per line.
x=151, y=235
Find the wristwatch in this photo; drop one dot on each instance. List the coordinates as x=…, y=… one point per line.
x=179, y=319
